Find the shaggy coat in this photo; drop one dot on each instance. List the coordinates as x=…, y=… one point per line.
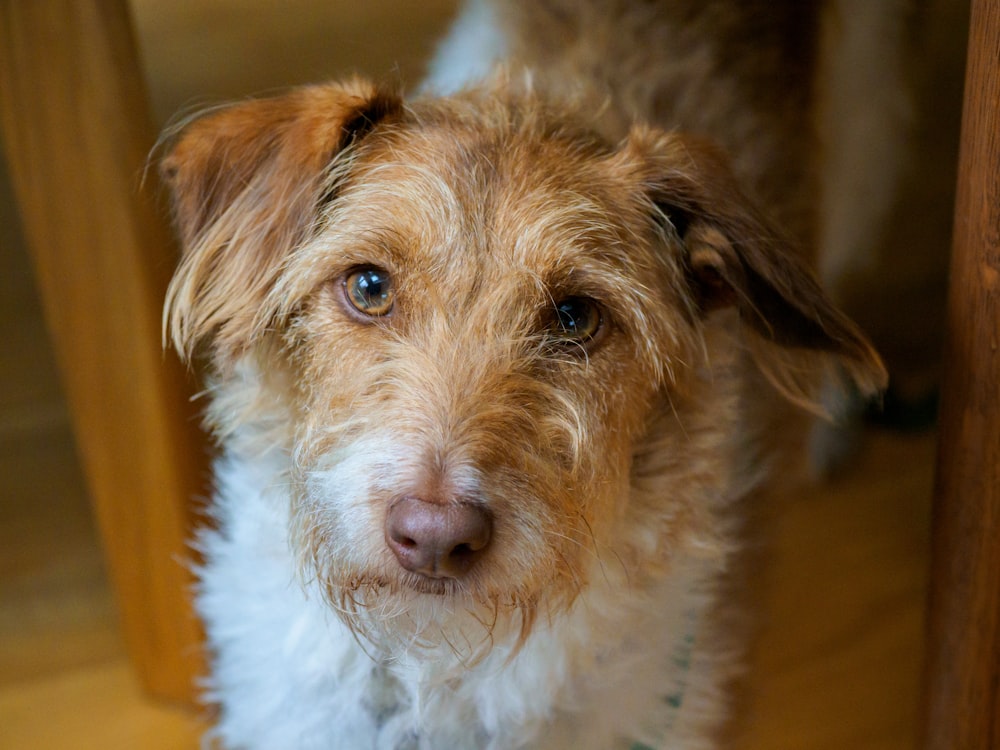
x=534, y=302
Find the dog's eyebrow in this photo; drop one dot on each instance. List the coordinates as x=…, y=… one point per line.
x=376, y=245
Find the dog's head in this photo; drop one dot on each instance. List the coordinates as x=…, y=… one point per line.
x=496, y=347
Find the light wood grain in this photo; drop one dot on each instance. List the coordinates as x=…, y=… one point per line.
x=839, y=604
x=99, y=707
x=963, y=667
x=77, y=133
x=199, y=52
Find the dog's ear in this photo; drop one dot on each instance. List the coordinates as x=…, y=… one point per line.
x=247, y=184
x=734, y=257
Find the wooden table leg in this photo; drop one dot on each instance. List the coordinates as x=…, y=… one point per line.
x=962, y=679
x=76, y=131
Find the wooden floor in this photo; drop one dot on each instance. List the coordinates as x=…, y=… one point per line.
x=840, y=600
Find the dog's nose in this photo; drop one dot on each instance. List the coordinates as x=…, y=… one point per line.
x=438, y=540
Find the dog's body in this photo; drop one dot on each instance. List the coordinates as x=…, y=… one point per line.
x=482, y=367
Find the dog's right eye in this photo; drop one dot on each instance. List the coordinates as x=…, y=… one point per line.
x=577, y=320
x=370, y=291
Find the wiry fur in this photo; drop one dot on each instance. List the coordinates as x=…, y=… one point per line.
x=612, y=471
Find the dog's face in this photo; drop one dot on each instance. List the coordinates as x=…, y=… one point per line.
x=473, y=319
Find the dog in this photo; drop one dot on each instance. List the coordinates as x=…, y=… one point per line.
x=486, y=371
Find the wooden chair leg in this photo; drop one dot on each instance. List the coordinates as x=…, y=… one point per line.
x=77, y=136
x=962, y=678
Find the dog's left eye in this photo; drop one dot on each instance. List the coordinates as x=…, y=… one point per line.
x=370, y=291
x=577, y=320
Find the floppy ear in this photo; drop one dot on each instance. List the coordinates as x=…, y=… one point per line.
x=735, y=258
x=247, y=184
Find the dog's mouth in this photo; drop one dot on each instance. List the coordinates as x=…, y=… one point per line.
x=404, y=584
x=441, y=586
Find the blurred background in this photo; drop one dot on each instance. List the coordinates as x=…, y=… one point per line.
x=841, y=593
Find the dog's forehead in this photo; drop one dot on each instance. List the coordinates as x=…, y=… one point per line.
x=532, y=195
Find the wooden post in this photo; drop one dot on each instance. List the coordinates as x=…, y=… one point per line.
x=76, y=132
x=962, y=678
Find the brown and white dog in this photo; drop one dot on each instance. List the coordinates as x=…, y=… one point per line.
x=483, y=372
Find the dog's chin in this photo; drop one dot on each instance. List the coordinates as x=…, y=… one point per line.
x=427, y=618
